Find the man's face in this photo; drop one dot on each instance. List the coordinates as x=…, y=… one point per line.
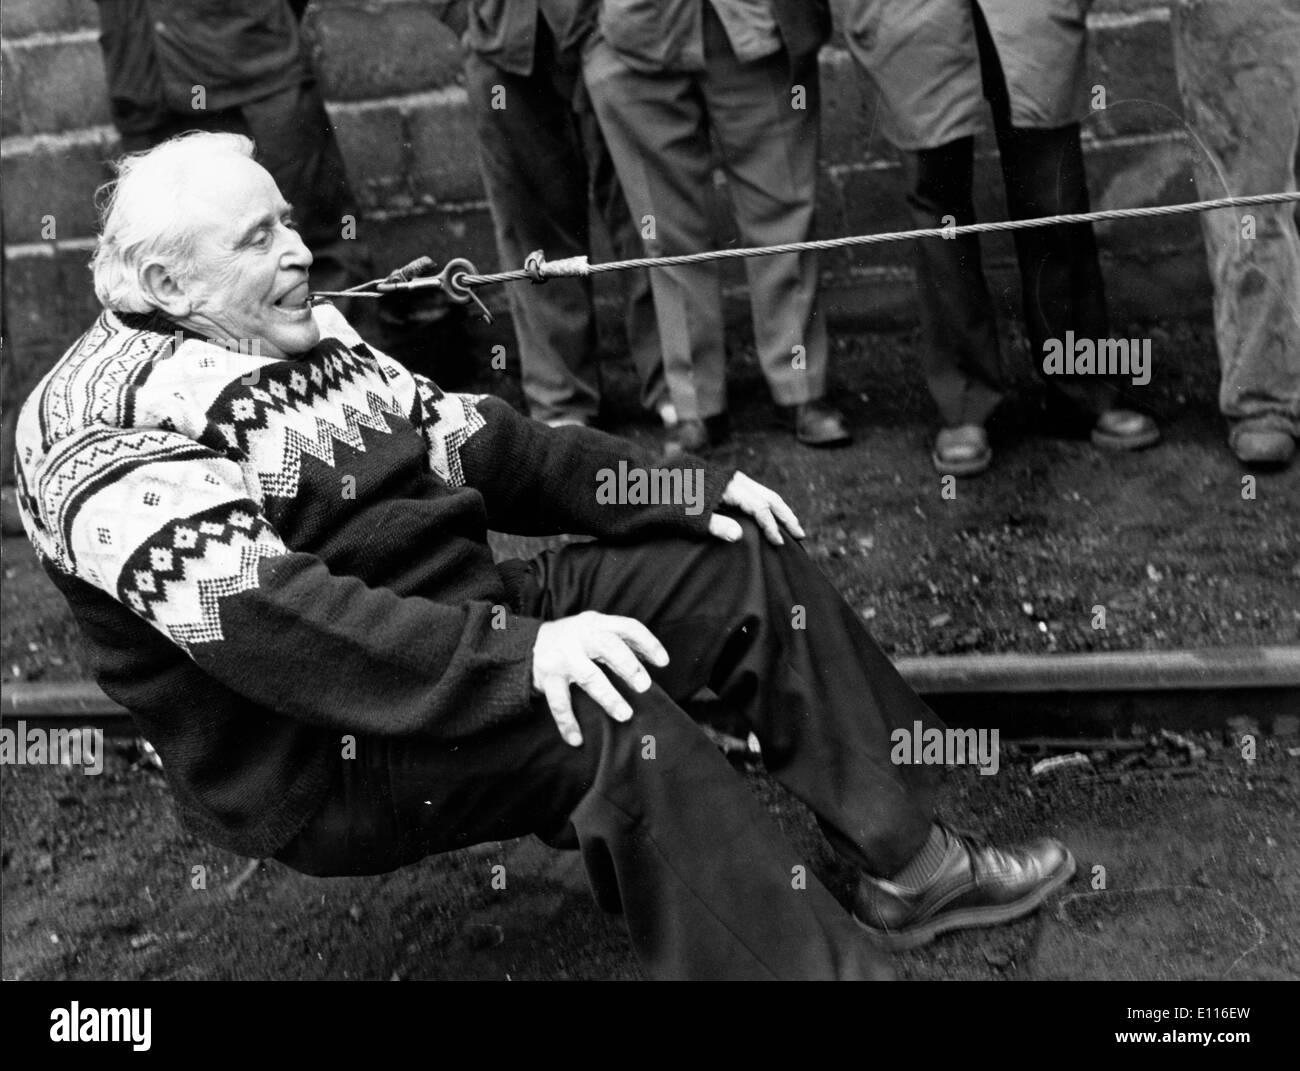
x=250, y=284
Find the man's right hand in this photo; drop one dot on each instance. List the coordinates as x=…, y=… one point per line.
x=566, y=653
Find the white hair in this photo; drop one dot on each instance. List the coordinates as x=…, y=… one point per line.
x=143, y=215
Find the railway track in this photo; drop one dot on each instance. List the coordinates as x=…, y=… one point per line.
x=1020, y=694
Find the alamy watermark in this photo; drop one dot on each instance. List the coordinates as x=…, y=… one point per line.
x=631, y=485
x=919, y=746
x=1073, y=356
x=82, y=746
x=76, y=1023
x=243, y=347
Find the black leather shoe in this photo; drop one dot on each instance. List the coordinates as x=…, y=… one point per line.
x=819, y=424
x=977, y=885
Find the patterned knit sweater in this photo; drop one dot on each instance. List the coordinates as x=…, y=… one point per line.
x=265, y=556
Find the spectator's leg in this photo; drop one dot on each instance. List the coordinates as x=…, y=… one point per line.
x=535, y=172
x=770, y=148
x=1239, y=70
x=656, y=129
x=135, y=94
x=1060, y=274
x=625, y=237
x=962, y=361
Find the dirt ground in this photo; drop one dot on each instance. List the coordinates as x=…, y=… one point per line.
x=1201, y=858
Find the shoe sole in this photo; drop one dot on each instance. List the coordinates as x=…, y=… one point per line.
x=970, y=918
x=973, y=467
x=822, y=444
x=1107, y=441
x=1265, y=458
x=1278, y=455
x=1264, y=462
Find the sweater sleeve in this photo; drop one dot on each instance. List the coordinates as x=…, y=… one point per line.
x=538, y=480
x=170, y=529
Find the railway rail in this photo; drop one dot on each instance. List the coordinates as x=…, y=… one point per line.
x=1021, y=694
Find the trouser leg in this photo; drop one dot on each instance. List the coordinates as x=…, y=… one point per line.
x=962, y=358
x=625, y=237
x=1060, y=273
x=766, y=631
x=769, y=141
x=535, y=172
x=1244, y=105
x=670, y=833
x=657, y=132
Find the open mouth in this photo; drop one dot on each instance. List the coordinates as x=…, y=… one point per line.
x=294, y=300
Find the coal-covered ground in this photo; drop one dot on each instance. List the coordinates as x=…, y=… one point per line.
x=1182, y=547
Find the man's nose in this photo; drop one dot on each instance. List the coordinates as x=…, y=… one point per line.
x=297, y=255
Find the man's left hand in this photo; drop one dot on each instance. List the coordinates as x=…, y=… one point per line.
x=761, y=503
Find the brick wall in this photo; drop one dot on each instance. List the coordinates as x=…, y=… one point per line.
x=391, y=75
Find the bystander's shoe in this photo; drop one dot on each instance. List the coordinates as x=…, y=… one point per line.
x=697, y=436
x=975, y=885
x=817, y=423
x=1256, y=445
x=962, y=451
x=1123, y=429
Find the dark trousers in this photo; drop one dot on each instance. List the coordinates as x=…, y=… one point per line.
x=1060, y=275
x=544, y=165
x=669, y=833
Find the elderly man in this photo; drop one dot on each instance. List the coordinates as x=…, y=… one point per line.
x=274, y=540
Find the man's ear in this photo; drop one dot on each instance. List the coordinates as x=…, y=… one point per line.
x=166, y=290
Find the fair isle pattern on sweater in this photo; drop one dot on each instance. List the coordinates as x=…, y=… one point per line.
x=150, y=469
x=456, y=419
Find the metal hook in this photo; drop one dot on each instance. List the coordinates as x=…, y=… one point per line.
x=451, y=279
x=416, y=276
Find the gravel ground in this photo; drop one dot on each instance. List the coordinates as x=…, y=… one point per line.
x=1201, y=871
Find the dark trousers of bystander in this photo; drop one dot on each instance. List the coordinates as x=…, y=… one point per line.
x=1060, y=275
x=544, y=165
